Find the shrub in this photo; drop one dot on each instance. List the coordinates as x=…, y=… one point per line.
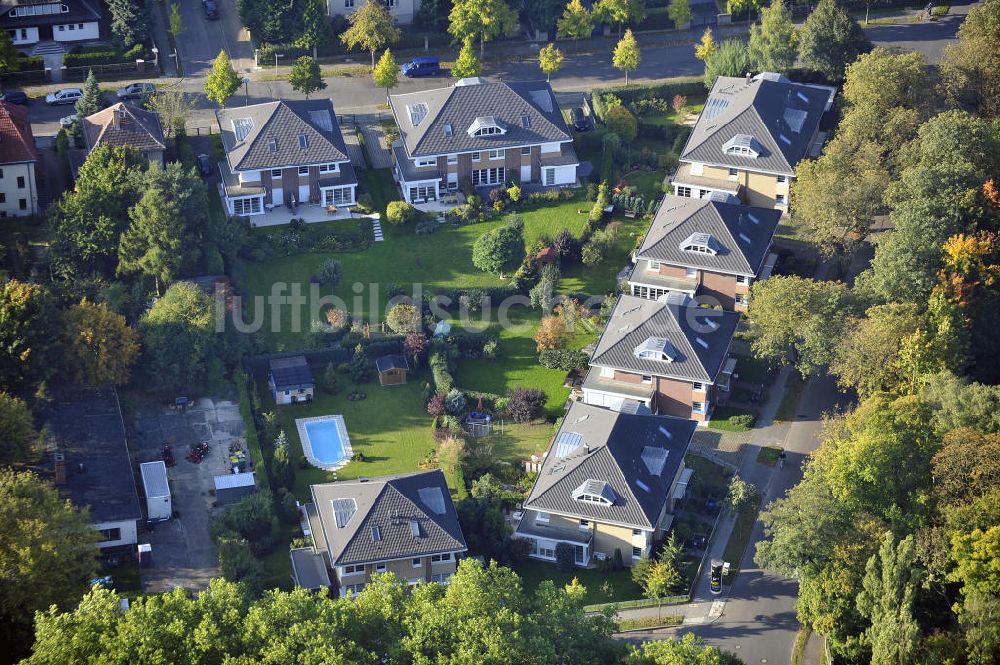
x=565, y=557
x=287, y=507
x=400, y=212
x=253, y=520
x=238, y=564
x=742, y=420
x=427, y=226
x=491, y=349
x=404, y=318
x=567, y=247
x=597, y=212
x=360, y=367
x=366, y=203
x=564, y=359
x=551, y=333
x=443, y=380
x=524, y=404
x=328, y=380
x=454, y=403
x=514, y=193
x=330, y=272
x=435, y=406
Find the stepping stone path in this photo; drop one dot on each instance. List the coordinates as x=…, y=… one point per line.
x=377, y=230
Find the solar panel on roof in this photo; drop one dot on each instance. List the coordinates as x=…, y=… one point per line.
x=654, y=459
x=714, y=107
x=432, y=498
x=567, y=443
x=322, y=120
x=343, y=511
x=417, y=112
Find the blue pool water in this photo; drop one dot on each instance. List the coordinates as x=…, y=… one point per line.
x=324, y=439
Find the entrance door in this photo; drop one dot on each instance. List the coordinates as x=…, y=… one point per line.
x=526, y=173
x=278, y=196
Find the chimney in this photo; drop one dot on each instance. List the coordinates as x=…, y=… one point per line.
x=59, y=464
x=117, y=118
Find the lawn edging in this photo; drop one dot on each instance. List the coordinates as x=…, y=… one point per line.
x=638, y=604
x=739, y=538
x=649, y=623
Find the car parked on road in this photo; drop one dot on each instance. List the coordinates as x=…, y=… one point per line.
x=68, y=120
x=204, y=165
x=15, y=97
x=64, y=96
x=211, y=10
x=136, y=91
x=425, y=66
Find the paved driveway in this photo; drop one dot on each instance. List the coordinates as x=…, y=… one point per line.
x=183, y=551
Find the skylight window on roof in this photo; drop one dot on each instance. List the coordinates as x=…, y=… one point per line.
x=714, y=108
x=753, y=218
x=744, y=237
x=343, y=511
x=567, y=443
x=272, y=144
x=643, y=486
x=376, y=534
x=700, y=342
x=654, y=458
x=701, y=243
x=417, y=113
x=665, y=432
x=526, y=121
x=448, y=129
x=595, y=491
x=801, y=95
x=415, y=528
x=784, y=139
x=795, y=118
x=242, y=127
x=432, y=498
x=709, y=322
x=322, y=120
x=303, y=141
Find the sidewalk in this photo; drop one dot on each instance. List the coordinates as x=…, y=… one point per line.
x=162, y=40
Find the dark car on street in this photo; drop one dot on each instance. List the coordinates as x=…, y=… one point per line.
x=136, y=91
x=204, y=165
x=211, y=10
x=424, y=66
x=15, y=97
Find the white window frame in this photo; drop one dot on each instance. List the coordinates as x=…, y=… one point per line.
x=423, y=162
x=782, y=179
x=654, y=265
x=683, y=190
x=303, y=170
x=275, y=173
x=542, y=518
x=417, y=562
x=491, y=176
x=741, y=279
x=380, y=568
x=584, y=525
x=549, y=176
x=698, y=387
x=691, y=272
x=453, y=159
x=357, y=569
x=497, y=154
x=780, y=200
x=634, y=550
x=255, y=203
x=476, y=156
x=733, y=174
x=332, y=167
x=646, y=378
x=699, y=407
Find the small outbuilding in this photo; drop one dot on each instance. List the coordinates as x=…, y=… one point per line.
x=232, y=487
x=154, y=481
x=392, y=369
x=291, y=380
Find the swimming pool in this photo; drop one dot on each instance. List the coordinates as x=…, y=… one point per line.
x=324, y=441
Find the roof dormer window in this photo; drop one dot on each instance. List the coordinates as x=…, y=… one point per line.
x=656, y=348
x=486, y=125
x=595, y=491
x=742, y=145
x=701, y=243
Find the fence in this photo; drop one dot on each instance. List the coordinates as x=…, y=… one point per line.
x=112, y=71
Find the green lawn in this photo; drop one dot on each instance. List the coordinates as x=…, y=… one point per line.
x=768, y=455
x=738, y=539
x=619, y=583
x=794, y=387
x=600, y=279
x=722, y=419
x=649, y=183
x=440, y=260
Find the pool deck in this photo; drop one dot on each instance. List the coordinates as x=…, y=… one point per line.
x=345, y=441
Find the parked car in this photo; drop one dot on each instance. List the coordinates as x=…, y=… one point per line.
x=425, y=66
x=68, y=120
x=581, y=122
x=136, y=91
x=204, y=165
x=15, y=97
x=64, y=96
x=211, y=11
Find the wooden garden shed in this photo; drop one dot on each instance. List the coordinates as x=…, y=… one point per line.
x=392, y=370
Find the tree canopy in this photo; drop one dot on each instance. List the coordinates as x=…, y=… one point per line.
x=773, y=42
x=484, y=20
x=179, y=338
x=223, y=81
x=830, y=40
x=576, y=21
x=500, y=250
x=306, y=77
x=626, y=56
x=970, y=67
x=99, y=347
x=730, y=58
x=18, y=427
x=29, y=334
x=467, y=64
x=372, y=28
x=386, y=72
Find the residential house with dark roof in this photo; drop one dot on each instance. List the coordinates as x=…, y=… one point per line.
x=290, y=380
x=19, y=163
x=750, y=136
x=31, y=21
x=404, y=524
x=289, y=150
x=91, y=464
x=608, y=482
x=126, y=125
x=402, y=11
x=480, y=134
x=669, y=355
x=714, y=248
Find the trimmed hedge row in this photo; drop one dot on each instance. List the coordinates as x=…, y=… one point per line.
x=683, y=85
x=84, y=57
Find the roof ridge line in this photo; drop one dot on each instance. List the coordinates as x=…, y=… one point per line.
x=621, y=473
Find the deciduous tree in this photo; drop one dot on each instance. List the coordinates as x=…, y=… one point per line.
x=173, y=107
x=372, y=28
x=386, y=72
x=576, y=22
x=970, y=68
x=773, y=41
x=620, y=12
x=404, y=318
x=223, y=81
x=179, y=338
x=316, y=29
x=887, y=600
x=627, y=56
x=306, y=77
x=730, y=58
x=99, y=347
x=500, y=250
x=18, y=427
x=129, y=21
x=831, y=40
x=467, y=64
x=9, y=54
x=484, y=20
x=866, y=358
x=29, y=332
x=679, y=12
x=550, y=60
x=706, y=46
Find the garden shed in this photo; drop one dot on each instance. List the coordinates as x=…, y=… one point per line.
x=392, y=369
x=290, y=380
x=232, y=487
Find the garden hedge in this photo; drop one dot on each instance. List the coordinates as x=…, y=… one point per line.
x=684, y=85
